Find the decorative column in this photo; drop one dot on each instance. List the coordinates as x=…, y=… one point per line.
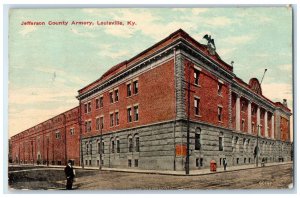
x=238, y=113
x=249, y=117
x=258, y=120
x=272, y=126
x=266, y=123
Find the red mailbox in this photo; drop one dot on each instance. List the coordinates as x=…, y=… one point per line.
x=213, y=166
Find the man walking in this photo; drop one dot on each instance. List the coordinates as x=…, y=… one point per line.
x=69, y=175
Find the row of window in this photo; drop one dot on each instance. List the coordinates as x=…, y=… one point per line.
x=197, y=81
x=197, y=108
x=113, y=96
x=136, y=162
x=58, y=135
x=114, y=119
x=133, y=144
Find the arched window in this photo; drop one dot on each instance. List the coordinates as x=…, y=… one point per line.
x=112, y=144
x=87, y=148
x=118, y=144
x=137, y=143
x=98, y=146
x=91, y=148
x=198, y=139
x=130, y=143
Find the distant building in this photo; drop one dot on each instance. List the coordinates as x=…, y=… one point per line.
x=136, y=114
x=9, y=151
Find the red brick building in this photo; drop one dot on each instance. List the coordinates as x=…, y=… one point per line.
x=51, y=142
x=137, y=114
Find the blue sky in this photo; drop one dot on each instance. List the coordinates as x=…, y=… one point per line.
x=49, y=64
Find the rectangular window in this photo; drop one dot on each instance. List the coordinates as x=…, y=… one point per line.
x=97, y=103
x=196, y=106
x=86, y=162
x=89, y=107
x=220, y=114
x=136, y=113
x=136, y=163
x=101, y=101
x=85, y=108
x=111, y=97
x=118, y=146
x=129, y=163
x=197, y=162
x=129, y=116
x=88, y=126
x=90, y=162
x=128, y=89
x=136, y=87
x=97, y=123
x=72, y=131
x=237, y=160
x=111, y=119
x=57, y=135
x=220, y=85
x=243, y=125
x=197, y=141
x=101, y=122
x=196, y=76
x=117, y=118
x=116, y=95
x=201, y=162
x=245, y=160
x=97, y=162
x=253, y=128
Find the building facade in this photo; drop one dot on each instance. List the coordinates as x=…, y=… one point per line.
x=142, y=112
x=52, y=142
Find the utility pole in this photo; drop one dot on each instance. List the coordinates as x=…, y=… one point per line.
x=100, y=146
x=187, y=165
x=256, y=150
x=187, y=161
x=258, y=126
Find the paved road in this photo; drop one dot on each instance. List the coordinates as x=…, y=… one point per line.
x=271, y=177
x=275, y=177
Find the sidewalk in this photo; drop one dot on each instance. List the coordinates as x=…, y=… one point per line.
x=192, y=172
x=165, y=172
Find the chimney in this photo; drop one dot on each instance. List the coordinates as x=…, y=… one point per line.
x=284, y=102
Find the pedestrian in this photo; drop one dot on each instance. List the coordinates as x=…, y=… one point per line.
x=69, y=172
x=224, y=163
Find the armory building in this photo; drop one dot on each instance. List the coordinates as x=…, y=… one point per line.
x=139, y=113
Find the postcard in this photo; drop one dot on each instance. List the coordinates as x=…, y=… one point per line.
x=163, y=98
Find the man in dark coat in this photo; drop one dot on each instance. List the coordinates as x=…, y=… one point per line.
x=69, y=175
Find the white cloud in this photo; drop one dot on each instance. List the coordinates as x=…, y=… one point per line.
x=106, y=51
x=29, y=117
x=285, y=67
x=194, y=11
x=236, y=40
x=278, y=91
x=33, y=95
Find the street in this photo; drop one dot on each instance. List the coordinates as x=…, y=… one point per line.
x=272, y=177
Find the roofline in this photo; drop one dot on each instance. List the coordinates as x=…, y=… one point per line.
x=46, y=120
